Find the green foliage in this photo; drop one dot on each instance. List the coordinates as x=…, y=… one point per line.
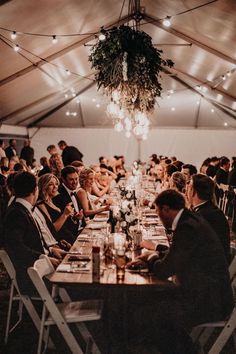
x=144, y=63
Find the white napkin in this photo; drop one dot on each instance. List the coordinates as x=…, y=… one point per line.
x=97, y=226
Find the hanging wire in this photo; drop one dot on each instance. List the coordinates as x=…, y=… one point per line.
x=180, y=13
x=6, y=40
x=122, y=7
x=130, y=7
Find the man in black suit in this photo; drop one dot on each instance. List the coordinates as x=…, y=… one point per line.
x=200, y=192
x=10, y=151
x=27, y=153
x=67, y=194
x=223, y=172
x=22, y=238
x=69, y=153
x=196, y=259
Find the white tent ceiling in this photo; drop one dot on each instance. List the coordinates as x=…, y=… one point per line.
x=34, y=82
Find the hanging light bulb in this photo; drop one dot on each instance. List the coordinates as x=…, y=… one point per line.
x=223, y=77
x=228, y=73
x=212, y=110
x=98, y=105
x=54, y=39
x=67, y=113
x=68, y=72
x=167, y=21
x=73, y=94
x=16, y=48
x=225, y=124
x=13, y=35
x=66, y=95
x=102, y=35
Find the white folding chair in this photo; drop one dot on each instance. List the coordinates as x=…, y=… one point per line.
x=15, y=295
x=203, y=332
x=64, y=313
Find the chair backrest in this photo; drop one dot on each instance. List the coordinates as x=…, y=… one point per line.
x=9, y=267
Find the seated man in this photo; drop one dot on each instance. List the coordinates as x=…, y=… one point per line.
x=201, y=193
x=196, y=260
x=67, y=194
x=22, y=237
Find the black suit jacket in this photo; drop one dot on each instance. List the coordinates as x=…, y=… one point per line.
x=232, y=177
x=70, y=154
x=222, y=176
x=61, y=200
x=22, y=242
x=9, y=151
x=27, y=153
x=196, y=257
x=216, y=218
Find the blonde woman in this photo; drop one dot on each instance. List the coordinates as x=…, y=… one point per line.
x=87, y=200
x=48, y=189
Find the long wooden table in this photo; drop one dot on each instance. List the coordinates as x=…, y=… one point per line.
x=118, y=294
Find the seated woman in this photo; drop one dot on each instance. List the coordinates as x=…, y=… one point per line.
x=55, y=218
x=87, y=200
x=98, y=189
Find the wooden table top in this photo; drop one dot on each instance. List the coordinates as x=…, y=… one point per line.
x=83, y=246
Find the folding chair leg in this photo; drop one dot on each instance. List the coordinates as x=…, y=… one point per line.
x=87, y=337
x=9, y=313
x=205, y=335
x=223, y=338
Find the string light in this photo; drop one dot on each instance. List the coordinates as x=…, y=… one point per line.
x=228, y=73
x=167, y=21
x=72, y=114
x=212, y=110
x=98, y=105
x=16, y=48
x=225, y=124
x=13, y=35
x=66, y=95
x=223, y=77
x=68, y=72
x=54, y=39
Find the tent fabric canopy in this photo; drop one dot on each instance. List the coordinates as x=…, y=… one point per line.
x=35, y=90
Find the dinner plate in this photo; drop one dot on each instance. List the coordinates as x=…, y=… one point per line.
x=96, y=225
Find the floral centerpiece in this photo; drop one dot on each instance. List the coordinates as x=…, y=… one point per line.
x=126, y=215
x=127, y=193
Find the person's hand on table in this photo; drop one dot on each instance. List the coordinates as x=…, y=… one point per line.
x=66, y=245
x=55, y=262
x=57, y=252
x=141, y=262
x=149, y=245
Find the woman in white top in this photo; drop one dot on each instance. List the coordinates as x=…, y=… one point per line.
x=86, y=180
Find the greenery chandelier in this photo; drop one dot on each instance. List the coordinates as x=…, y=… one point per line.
x=128, y=68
